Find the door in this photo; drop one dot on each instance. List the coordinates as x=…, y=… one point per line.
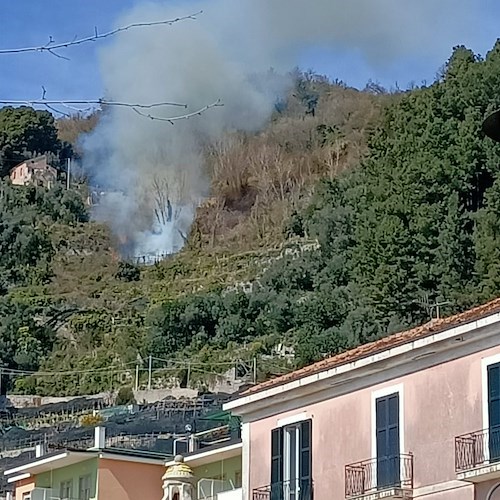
x=494, y=411
x=291, y=462
x=291, y=469
x=387, y=438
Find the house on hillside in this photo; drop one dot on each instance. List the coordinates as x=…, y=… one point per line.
x=413, y=415
x=35, y=171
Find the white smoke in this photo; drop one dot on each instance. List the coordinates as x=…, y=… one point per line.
x=156, y=169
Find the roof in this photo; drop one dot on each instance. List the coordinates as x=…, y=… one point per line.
x=212, y=454
x=363, y=351
x=51, y=461
x=33, y=161
x=70, y=456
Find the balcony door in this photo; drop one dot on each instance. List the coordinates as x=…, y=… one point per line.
x=494, y=411
x=387, y=437
x=291, y=462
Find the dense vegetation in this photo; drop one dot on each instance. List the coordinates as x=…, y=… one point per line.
x=400, y=191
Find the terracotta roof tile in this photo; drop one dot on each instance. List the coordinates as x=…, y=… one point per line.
x=434, y=326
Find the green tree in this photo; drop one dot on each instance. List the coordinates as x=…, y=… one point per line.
x=25, y=132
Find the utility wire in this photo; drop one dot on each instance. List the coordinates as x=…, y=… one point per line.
x=173, y=361
x=51, y=46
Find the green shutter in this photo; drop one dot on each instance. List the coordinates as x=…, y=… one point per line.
x=494, y=410
x=306, y=460
x=277, y=464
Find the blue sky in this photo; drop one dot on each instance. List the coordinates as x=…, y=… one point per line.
x=31, y=22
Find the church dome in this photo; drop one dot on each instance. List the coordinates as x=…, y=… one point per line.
x=179, y=470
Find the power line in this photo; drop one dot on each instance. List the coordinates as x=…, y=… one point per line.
x=68, y=372
x=174, y=361
x=51, y=46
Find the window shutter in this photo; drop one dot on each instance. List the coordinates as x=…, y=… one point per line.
x=277, y=455
x=277, y=464
x=494, y=395
x=494, y=411
x=306, y=460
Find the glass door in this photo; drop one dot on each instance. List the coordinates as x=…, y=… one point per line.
x=291, y=463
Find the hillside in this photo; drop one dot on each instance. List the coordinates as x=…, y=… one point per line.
x=344, y=220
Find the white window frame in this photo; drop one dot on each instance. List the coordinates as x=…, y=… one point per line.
x=68, y=482
x=485, y=364
x=87, y=478
x=291, y=431
x=381, y=393
x=293, y=419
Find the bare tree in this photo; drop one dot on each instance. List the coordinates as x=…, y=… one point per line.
x=51, y=46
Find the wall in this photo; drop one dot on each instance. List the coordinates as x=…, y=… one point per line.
x=151, y=396
x=54, y=478
x=19, y=175
x=438, y=404
x=122, y=480
x=228, y=470
x=24, y=486
x=491, y=488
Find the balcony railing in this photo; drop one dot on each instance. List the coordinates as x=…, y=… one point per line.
x=477, y=448
x=48, y=494
x=209, y=489
x=370, y=476
x=285, y=490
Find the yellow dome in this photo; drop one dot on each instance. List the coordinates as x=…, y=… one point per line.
x=179, y=470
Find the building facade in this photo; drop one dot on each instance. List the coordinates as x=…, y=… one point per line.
x=414, y=415
x=35, y=171
x=209, y=470
x=89, y=475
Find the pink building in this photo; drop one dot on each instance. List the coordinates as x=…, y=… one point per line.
x=414, y=415
x=34, y=171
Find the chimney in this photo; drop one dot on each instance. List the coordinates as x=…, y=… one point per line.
x=100, y=438
x=39, y=450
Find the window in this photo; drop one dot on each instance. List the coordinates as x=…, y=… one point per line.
x=66, y=489
x=27, y=496
x=387, y=440
x=237, y=479
x=494, y=411
x=291, y=460
x=84, y=486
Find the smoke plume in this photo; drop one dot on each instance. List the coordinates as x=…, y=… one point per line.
x=152, y=171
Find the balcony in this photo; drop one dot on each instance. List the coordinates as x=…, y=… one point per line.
x=477, y=456
x=390, y=477
x=214, y=489
x=47, y=494
x=285, y=490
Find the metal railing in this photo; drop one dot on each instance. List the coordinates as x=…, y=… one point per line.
x=300, y=489
x=49, y=494
x=208, y=489
x=477, y=448
x=376, y=474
